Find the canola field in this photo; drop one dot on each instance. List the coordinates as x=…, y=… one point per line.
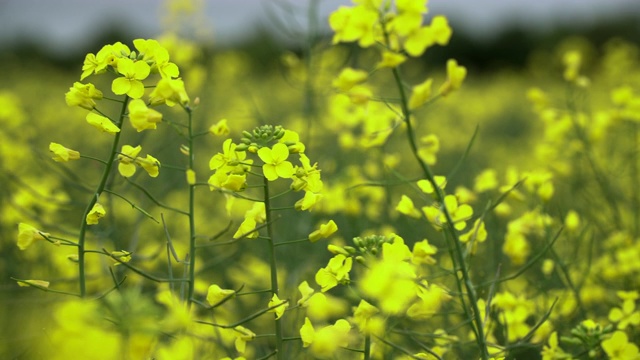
x=348, y=201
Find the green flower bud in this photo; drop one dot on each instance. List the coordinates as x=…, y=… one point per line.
x=350, y=249
x=242, y=147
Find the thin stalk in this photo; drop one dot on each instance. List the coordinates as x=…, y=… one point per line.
x=635, y=205
x=477, y=322
x=367, y=347
x=94, y=199
x=273, y=263
x=598, y=173
x=192, y=225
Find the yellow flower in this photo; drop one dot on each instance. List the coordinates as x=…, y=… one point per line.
x=391, y=59
x=618, y=347
x=96, y=213
x=420, y=95
x=626, y=314
x=102, y=123
x=150, y=164
x=348, y=78
x=34, y=283
x=356, y=23
x=406, y=207
x=485, y=181
x=459, y=213
x=423, y=252
x=282, y=306
x=216, y=294
x=131, y=81
x=122, y=255
x=427, y=188
x=572, y=221
x=170, y=92
x=221, y=128
x=327, y=340
x=96, y=64
x=141, y=117
x=27, y=234
x=63, y=154
x=336, y=271
x=245, y=229
x=83, y=95
x=365, y=317
x=127, y=158
x=455, y=77
x=306, y=291
x=191, y=177
x=275, y=162
x=309, y=200
x=242, y=336
x=440, y=30
x=324, y=232
x=429, y=148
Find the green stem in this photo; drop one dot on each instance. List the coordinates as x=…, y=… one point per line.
x=635, y=198
x=192, y=226
x=598, y=173
x=367, y=347
x=477, y=323
x=94, y=199
x=273, y=263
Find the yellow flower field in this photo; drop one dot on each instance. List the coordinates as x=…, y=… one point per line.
x=348, y=201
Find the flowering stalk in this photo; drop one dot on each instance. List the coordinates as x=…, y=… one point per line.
x=458, y=255
x=192, y=226
x=273, y=264
x=94, y=199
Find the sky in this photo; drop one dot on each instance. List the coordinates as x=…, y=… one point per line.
x=67, y=25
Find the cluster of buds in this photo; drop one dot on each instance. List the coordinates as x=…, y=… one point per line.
x=589, y=334
x=260, y=137
x=364, y=246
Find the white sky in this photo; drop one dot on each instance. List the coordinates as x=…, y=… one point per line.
x=70, y=24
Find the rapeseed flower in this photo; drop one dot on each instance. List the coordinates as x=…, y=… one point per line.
x=141, y=117
x=358, y=23
x=626, y=314
x=83, y=95
x=618, y=347
x=406, y=207
x=420, y=95
x=150, y=164
x=282, y=306
x=127, y=158
x=275, y=162
x=97, y=64
x=325, y=341
x=216, y=294
x=35, y=283
x=63, y=154
x=324, y=232
x=242, y=336
x=27, y=234
x=349, y=78
x=455, y=76
x=309, y=200
x=391, y=59
x=336, y=272
x=459, y=213
x=221, y=128
x=96, y=213
x=131, y=82
x=170, y=92
x=102, y=123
